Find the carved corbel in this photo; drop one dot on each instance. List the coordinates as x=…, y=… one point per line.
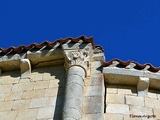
x=142, y=86
x=80, y=57
x=25, y=67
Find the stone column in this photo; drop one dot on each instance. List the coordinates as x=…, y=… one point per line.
x=73, y=96
x=77, y=66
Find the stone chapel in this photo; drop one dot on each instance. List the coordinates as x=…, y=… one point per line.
x=70, y=79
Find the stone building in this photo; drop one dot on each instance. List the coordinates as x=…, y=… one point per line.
x=70, y=80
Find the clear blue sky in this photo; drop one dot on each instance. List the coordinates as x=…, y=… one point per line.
x=127, y=29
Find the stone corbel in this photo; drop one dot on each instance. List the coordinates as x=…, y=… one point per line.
x=80, y=57
x=25, y=67
x=142, y=86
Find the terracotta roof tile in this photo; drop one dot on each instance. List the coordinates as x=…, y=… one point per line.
x=137, y=65
x=51, y=44
x=121, y=63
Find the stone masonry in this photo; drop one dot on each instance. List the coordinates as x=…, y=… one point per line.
x=70, y=80
x=40, y=97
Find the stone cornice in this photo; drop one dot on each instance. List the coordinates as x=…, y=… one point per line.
x=123, y=76
x=47, y=53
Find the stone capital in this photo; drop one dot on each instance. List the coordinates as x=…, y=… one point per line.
x=79, y=57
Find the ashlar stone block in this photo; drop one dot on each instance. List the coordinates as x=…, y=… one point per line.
x=46, y=113
x=13, y=96
x=152, y=103
x=38, y=102
x=130, y=90
x=2, y=96
x=5, y=89
x=41, y=84
x=27, y=114
x=6, y=105
x=8, y=115
x=157, y=113
x=22, y=87
x=98, y=116
x=117, y=108
x=113, y=116
x=21, y=104
x=115, y=98
x=134, y=100
x=7, y=80
x=33, y=94
x=140, y=110
x=112, y=89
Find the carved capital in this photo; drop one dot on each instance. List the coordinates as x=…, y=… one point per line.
x=80, y=57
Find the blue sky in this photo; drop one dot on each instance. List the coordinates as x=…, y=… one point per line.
x=127, y=29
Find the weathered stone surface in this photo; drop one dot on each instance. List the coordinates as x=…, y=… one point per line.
x=115, y=98
x=8, y=80
x=112, y=89
x=54, y=92
x=142, y=86
x=21, y=104
x=6, y=105
x=22, y=87
x=153, y=103
x=36, y=77
x=73, y=93
x=8, y=115
x=2, y=96
x=117, y=108
x=33, y=94
x=47, y=76
x=94, y=80
x=130, y=117
x=131, y=90
x=55, y=101
x=38, y=102
x=5, y=89
x=134, y=100
x=13, y=96
x=93, y=116
x=113, y=116
x=25, y=80
x=93, y=90
x=71, y=113
x=75, y=79
x=158, y=96
x=140, y=110
x=93, y=109
x=41, y=84
x=27, y=114
x=152, y=94
x=45, y=113
x=91, y=100
x=56, y=83
x=157, y=113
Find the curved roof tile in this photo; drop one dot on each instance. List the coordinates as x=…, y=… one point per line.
x=17, y=49
x=85, y=39
x=137, y=65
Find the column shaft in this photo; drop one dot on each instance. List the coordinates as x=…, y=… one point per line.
x=73, y=96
